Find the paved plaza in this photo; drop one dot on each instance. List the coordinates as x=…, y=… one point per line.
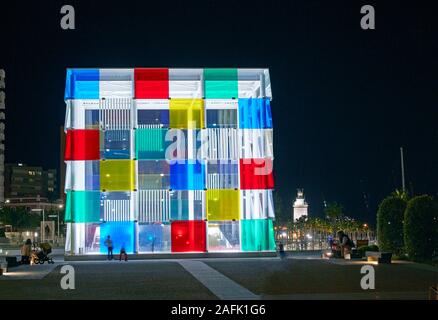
x=297, y=277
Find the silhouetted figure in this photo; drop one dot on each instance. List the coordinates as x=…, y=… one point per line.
x=123, y=254
x=281, y=250
x=109, y=245
x=26, y=251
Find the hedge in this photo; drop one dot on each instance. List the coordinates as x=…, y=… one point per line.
x=421, y=228
x=390, y=225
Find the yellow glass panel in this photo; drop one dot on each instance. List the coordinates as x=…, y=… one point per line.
x=117, y=175
x=186, y=114
x=222, y=204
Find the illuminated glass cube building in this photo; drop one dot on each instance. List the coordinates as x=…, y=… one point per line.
x=169, y=160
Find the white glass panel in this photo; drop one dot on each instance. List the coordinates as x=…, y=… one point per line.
x=223, y=174
x=219, y=144
x=255, y=143
x=223, y=236
x=83, y=238
x=257, y=204
x=153, y=205
x=82, y=175
x=116, y=206
x=254, y=83
x=116, y=83
x=82, y=114
x=115, y=114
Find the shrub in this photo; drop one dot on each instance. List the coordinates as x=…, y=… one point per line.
x=421, y=228
x=363, y=249
x=390, y=224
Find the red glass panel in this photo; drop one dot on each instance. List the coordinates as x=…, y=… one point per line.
x=82, y=145
x=188, y=236
x=256, y=174
x=151, y=83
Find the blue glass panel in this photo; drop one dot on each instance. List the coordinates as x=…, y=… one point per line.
x=82, y=84
x=187, y=175
x=148, y=117
x=122, y=234
x=255, y=113
x=154, y=237
x=116, y=144
x=92, y=175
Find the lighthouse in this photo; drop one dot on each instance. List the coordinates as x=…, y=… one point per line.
x=300, y=205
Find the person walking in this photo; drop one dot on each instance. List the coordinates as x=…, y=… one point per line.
x=109, y=245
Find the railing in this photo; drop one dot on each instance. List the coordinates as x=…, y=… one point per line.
x=315, y=240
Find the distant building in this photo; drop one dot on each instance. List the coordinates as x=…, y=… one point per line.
x=300, y=206
x=22, y=181
x=32, y=203
x=2, y=134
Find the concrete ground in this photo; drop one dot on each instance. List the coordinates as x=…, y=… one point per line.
x=297, y=277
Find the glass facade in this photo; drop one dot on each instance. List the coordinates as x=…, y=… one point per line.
x=169, y=160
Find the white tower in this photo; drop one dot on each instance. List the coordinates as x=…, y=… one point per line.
x=2, y=135
x=300, y=205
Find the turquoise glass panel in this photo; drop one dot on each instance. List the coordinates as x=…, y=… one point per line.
x=151, y=143
x=220, y=83
x=82, y=206
x=257, y=235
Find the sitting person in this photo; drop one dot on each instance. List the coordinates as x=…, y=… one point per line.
x=25, y=252
x=123, y=254
x=345, y=243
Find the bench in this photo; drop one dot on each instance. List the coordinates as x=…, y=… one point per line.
x=380, y=257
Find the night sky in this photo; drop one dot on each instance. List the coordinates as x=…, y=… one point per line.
x=344, y=99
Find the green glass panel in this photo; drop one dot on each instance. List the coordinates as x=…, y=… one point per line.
x=257, y=235
x=150, y=143
x=220, y=83
x=82, y=206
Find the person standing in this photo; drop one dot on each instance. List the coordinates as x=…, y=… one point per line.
x=25, y=252
x=109, y=245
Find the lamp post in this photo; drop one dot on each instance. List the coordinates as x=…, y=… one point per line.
x=57, y=216
x=43, y=232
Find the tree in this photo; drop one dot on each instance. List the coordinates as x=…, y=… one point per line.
x=401, y=194
x=19, y=218
x=390, y=224
x=280, y=215
x=333, y=211
x=421, y=228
